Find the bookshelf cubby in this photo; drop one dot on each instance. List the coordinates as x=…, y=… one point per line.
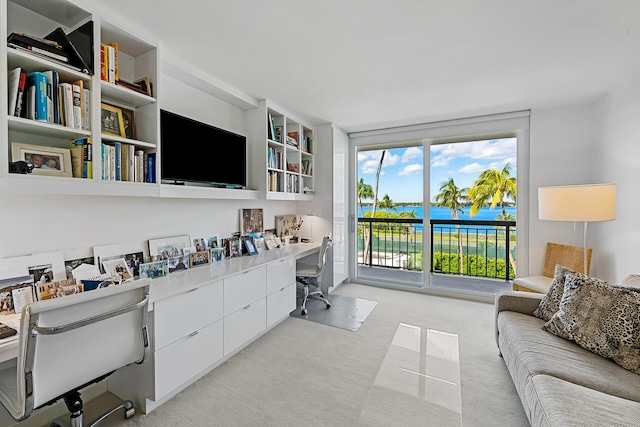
x=282, y=159
x=137, y=58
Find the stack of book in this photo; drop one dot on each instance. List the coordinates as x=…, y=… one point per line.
x=122, y=162
x=39, y=95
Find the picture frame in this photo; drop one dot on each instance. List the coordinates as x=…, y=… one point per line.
x=178, y=263
x=285, y=225
x=216, y=254
x=144, y=84
x=198, y=259
x=15, y=293
x=58, y=289
x=251, y=221
x=134, y=253
x=51, y=161
x=153, y=270
x=129, y=123
x=111, y=121
x=118, y=269
x=168, y=247
x=249, y=245
x=74, y=258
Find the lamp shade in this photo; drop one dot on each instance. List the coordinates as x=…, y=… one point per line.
x=577, y=203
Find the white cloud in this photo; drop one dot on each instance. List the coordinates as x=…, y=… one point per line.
x=472, y=168
x=414, y=169
x=480, y=150
x=411, y=153
x=369, y=160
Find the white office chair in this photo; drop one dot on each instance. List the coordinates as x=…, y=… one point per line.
x=304, y=274
x=68, y=343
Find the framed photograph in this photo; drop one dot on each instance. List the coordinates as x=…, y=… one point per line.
x=118, y=270
x=152, y=270
x=249, y=245
x=259, y=243
x=168, y=247
x=74, y=258
x=15, y=293
x=285, y=225
x=41, y=273
x=58, y=289
x=133, y=253
x=251, y=221
x=196, y=259
x=128, y=121
x=178, y=263
x=235, y=247
x=216, y=254
x=111, y=120
x=50, y=161
x=144, y=84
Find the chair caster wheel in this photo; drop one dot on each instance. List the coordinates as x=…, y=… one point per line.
x=328, y=305
x=129, y=413
x=304, y=311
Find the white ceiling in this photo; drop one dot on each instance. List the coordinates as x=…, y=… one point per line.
x=367, y=64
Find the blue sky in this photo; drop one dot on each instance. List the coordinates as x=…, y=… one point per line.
x=402, y=169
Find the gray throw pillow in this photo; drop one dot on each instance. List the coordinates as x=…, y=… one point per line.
x=601, y=317
x=550, y=302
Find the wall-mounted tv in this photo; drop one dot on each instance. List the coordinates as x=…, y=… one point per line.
x=193, y=151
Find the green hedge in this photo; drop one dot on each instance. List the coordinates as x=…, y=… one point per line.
x=473, y=265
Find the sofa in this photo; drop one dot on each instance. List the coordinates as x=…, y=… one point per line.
x=560, y=380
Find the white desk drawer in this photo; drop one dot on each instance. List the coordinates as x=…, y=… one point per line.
x=178, y=316
x=280, y=273
x=244, y=324
x=281, y=303
x=244, y=288
x=182, y=360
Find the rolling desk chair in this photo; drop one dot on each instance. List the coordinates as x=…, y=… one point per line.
x=66, y=344
x=304, y=274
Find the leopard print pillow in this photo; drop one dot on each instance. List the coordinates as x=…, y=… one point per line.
x=551, y=301
x=601, y=317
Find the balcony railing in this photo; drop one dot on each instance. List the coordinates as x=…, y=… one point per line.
x=458, y=247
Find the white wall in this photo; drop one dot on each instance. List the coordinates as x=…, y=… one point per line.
x=561, y=153
x=617, y=160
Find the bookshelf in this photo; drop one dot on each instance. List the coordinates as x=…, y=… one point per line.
x=282, y=154
x=137, y=58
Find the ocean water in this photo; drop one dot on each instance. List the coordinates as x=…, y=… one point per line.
x=486, y=214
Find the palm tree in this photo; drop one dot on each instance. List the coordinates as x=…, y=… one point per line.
x=387, y=203
x=365, y=191
x=373, y=206
x=454, y=198
x=493, y=185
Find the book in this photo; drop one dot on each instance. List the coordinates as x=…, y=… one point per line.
x=104, y=63
x=151, y=167
x=86, y=112
x=77, y=104
x=67, y=102
x=114, y=45
x=53, y=80
x=124, y=155
x=75, y=59
x=111, y=64
x=139, y=163
x=16, y=77
x=76, y=161
x=20, y=96
x=43, y=47
x=86, y=165
x=271, y=132
x=132, y=86
x=118, y=160
x=38, y=80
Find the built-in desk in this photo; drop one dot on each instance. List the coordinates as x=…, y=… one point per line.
x=202, y=316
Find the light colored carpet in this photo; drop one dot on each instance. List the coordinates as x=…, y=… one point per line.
x=307, y=374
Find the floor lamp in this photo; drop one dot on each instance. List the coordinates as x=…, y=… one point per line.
x=578, y=203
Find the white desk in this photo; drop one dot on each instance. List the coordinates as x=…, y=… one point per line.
x=183, y=281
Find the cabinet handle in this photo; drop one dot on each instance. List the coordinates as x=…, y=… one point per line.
x=192, y=290
x=245, y=272
x=193, y=334
x=246, y=306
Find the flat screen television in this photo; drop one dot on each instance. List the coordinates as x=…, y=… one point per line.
x=196, y=152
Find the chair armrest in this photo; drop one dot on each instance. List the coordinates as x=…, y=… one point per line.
x=518, y=301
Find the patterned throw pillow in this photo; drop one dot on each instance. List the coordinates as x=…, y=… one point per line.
x=601, y=317
x=551, y=301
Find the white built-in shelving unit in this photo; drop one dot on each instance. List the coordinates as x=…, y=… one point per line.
x=281, y=166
